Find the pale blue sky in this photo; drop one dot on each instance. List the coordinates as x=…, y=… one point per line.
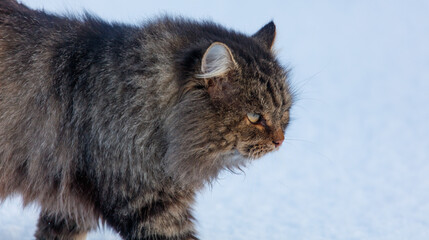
x=356, y=162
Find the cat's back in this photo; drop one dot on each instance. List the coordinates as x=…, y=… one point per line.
x=22, y=39
x=9, y=7
x=17, y=21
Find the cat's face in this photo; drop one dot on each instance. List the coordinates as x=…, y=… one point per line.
x=262, y=129
x=250, y=91
x=261, y=110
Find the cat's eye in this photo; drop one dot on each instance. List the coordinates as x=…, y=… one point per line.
x=254, y=117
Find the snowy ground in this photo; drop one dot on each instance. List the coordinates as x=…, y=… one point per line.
x=356, y=162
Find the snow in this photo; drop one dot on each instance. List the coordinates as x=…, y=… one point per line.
x=355, y=164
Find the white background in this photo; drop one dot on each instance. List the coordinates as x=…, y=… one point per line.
x=355, y=164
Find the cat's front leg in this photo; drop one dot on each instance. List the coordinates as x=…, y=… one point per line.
x=55, y=226
x=164, y=219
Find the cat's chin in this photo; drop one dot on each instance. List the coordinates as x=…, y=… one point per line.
x=255, y=151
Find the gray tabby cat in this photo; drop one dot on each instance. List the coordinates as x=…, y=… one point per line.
x=125, y=124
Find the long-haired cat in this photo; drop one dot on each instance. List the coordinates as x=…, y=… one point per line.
x=123, y=123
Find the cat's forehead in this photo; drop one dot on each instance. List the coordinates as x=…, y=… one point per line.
x=267, y=87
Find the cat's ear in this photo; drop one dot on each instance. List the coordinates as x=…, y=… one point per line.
x=266, y=35
x=216, y=61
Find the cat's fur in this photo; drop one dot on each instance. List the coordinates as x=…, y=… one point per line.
x=124, y=123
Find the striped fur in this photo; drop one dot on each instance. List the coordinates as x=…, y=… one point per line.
x=125, y=124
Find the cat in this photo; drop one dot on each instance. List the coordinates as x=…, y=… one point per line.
x=126, y=123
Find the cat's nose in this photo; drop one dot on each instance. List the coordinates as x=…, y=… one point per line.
x=278, y=138
x=278, y=143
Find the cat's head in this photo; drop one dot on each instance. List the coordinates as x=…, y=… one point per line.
x=234, y=104
x=248, y=90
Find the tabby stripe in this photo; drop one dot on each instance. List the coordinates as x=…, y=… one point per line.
x=272, y=94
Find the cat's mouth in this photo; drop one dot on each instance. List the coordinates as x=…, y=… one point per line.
x=255, y=151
